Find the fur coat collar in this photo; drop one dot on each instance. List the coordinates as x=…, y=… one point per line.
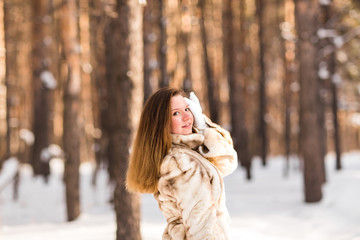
x=192, y=141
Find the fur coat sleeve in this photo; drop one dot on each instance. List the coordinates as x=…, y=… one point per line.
x=218, y=148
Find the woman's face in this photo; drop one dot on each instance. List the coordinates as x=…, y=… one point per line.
x=181, y=116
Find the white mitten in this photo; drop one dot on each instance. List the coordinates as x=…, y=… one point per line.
x=195, y=107
x=142, y=2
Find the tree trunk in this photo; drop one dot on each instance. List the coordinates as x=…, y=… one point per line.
x=164, y=80
x=187, y=83
x=323, y=88
x=306, y=12
x=25, y=112
x=9, y=80
x=124, y=70
x=286, y=93
x=289, y=77
x=98, y=82
x=212, y=87
x=148, y=46
x=87, y=141
x=151, y=44
x=72, y=91
x=4, y=148
x=238, y=127
x=243, y=135
x=15, y=78
x=331, y=65
x=337, y=138
x=262, y=82
x=42, y=82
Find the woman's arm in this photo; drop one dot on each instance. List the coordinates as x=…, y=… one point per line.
x=218, y=148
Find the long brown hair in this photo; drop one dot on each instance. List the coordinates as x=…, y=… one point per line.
x=152, y=142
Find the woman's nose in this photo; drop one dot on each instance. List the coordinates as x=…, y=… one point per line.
x=186, y=115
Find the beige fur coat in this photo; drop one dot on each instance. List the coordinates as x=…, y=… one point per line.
x=191, y=189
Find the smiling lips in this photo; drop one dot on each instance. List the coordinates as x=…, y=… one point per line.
x=187, y=125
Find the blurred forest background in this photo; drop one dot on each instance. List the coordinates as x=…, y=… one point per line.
x=282, y=75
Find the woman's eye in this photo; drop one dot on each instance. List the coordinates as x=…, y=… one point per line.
x=187, y=109
x=175, y=113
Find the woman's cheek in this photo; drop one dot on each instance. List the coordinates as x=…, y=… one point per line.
x=174, y=125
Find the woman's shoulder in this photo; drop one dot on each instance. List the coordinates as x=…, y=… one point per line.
x=178, y=159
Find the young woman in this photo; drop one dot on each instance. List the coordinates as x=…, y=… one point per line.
x=181, y=157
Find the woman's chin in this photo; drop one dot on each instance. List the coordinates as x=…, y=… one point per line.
x=188, y=132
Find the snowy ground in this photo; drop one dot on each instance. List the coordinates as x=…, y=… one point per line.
x=270, y=207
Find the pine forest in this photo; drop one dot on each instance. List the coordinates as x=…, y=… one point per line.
x=282, y=76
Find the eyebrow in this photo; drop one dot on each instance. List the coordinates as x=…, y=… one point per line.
x=187, y=105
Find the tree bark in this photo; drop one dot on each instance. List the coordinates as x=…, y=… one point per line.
x=262, y=82
x=148, y=46
x=328, y=13
x=72, y=91
x=151, y=31
x=238, y=127
x=306, y=12
x=286, y=93
x=289, y=77
x=337, y=137
x=98, y=83
x=244, y=66
x=164, y=80
x=124, y=70
x=4, y=148
x=8, y=79
x=42, y=94
x=187, y=83
x=15, y=80
x=212, y=88
x=323, y=89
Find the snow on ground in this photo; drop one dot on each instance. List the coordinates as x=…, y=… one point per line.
x=270, y=207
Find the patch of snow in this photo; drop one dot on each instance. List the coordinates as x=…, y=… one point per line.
x=355, y=119
x=27, y=136
x=55, y=150
x=339, y=41
x=45, y=155
x=323, y=72
x=336, y=78
x=48, y=80
x=52, y=151
x=325, y=2
x=8, y=171
x=142, y=2
x=326, y=33
x=269, y=206
x=295, y=87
